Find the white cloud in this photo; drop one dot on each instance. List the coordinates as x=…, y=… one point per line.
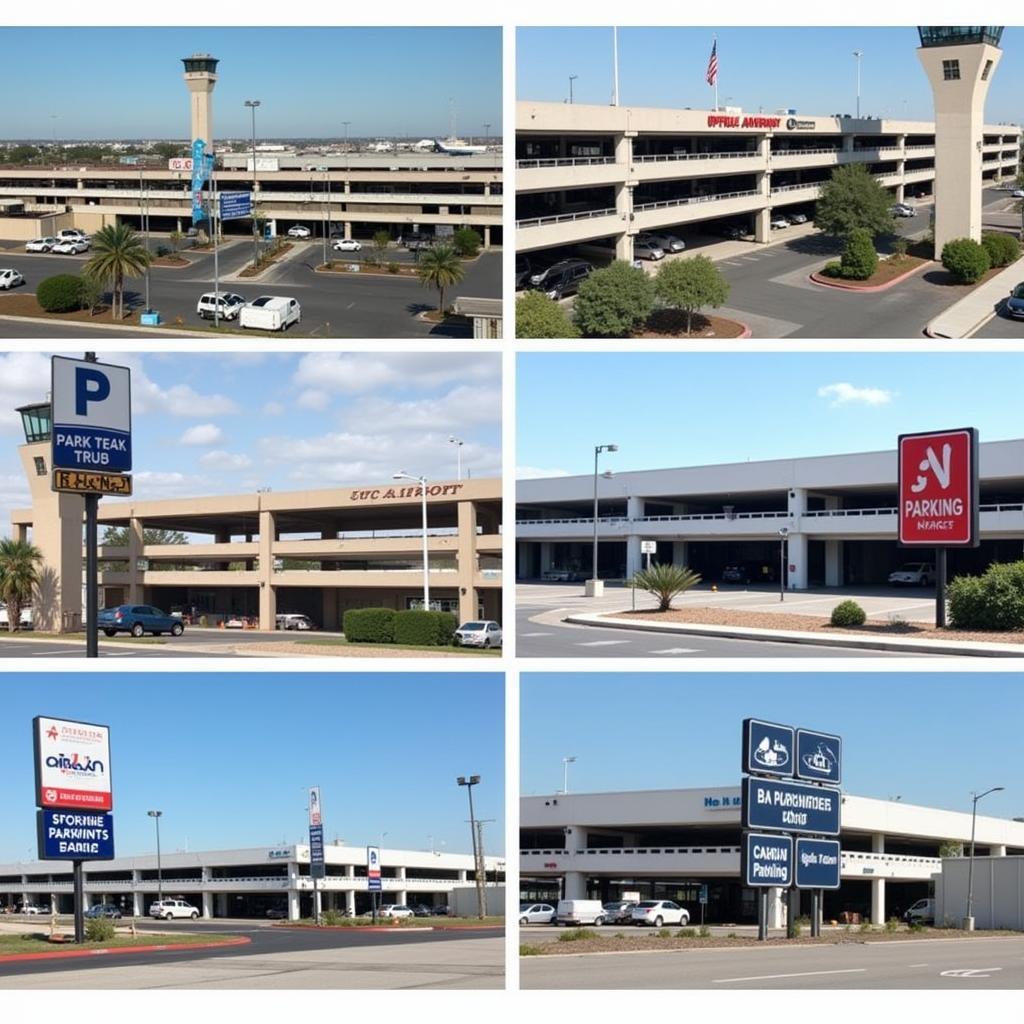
x=844, y=393
x=273, y=409
x=225, y=460
x=24, y=378
x=202, y=434
x=151, y=485
x=537, y=473
x=314, y=398
x=353, y=373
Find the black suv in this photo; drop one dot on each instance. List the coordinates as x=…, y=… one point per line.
x=749, y=572
x=562, y=278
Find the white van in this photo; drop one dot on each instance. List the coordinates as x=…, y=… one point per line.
x=270, y=313
x=921, y=912
x=580, y=912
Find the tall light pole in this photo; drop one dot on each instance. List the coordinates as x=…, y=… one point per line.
x=252, y=105
x=595, y=588
x=156, y=815
x=975, y=797
x=469, y=782
x=346, y=124
x=572, y=78
x=458, y=442
x=783, y=534
x=857, y=56
x=487, y=132
x=422, y=481
x=566, y=761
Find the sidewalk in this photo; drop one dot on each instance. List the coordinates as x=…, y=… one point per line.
x=971, y=313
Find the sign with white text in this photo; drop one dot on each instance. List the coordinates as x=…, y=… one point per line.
x=938, y=489
x=766, y=860
x=790, y=807
x=92, y=415
x=72, y=761
x=75, y=835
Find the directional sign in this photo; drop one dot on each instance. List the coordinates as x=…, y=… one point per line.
x=77, y=482
x=72, y=764
x=938, y=489
x=818, y=757
x=373, y=883
x=648, y=547
x=702, y=896
x=766, y=860
x=767, y=748
x=75, y=835
x=790, y=807
x=92, y=415
x=235, y=204
x=817, y=863
x=179, y=163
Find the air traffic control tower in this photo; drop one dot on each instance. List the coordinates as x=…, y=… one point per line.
x=201, y=77
x=959, y=62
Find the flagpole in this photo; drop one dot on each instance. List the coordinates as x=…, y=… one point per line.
x=715, y=44
x=615, y=66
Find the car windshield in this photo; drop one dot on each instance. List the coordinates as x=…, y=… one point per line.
x=646, y=904
x=262, y=300
x=467, y=626
x=1018, y=292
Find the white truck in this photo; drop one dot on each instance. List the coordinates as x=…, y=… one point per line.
x=270, y=313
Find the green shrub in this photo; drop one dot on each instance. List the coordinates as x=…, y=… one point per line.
x=685, y=933
x=393, y=267
x=331, y=918
x=865, y=928
x=423, y=628
x=369, y=625
x=892, y=924
x=915, y=926
x=60, y=294
x=833, y=269
x=965, y=259
x=537, y=316
x=793, y=928
x=99, y=929
x=1002, y=249
x=859, y=260
x=704, y=932
x=994, y=600
x=525, y=950
x=467, y=242
x=576, y=935
x=614, y=301
x=163, y=250
x=848, y=613
x=899, y=248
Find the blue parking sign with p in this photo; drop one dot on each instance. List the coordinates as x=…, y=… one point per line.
x=91, y=415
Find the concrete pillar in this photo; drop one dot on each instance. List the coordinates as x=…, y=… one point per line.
x=467, y=561
x=634, y=560
x=762, y=225
x=796, y=561
x=348, y=229
x=87, y=900
x=220, y=904
x=487, y=236
x=401, y=897
x=272, y=224
x=546, y=555
x=293, y=904
x=680, y=552
x=350, y=902
x=207, y=905
x=463, y=875
x=901, y=188
x=523, y=551
x=878, y=884
x=833, y=563
x=135, y=549
x=268, y=595
x=997, y=851
x=575, y=885
x=776, y=908
x=138, y=902
x=624, y=196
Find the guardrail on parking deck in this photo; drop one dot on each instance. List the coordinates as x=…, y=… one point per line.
x=560, y=217
x=697, y=516
x=574, y=161
x=659, y=157
x=797, y=187
x=687, y=200
x=633, y=851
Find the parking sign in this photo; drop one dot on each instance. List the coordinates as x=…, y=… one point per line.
x=373, y=883
x=938, y=489
x=92, y=415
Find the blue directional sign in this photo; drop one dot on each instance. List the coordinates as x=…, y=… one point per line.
x=373, y=883
x=75, y=835
x=790, y=807
x=766, y=860
x=817, y=863
x=818, y=757
x=92, y=415
x=767, y=748
x=235, y=204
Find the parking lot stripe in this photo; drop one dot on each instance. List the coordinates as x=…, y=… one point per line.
x=677, y=650
x=802, y=974
x=602, y=643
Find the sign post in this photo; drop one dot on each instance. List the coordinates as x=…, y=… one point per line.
x=373, y=883
x=317, y=867
x=938, y=497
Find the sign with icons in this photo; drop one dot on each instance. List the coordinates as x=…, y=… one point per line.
x=818, y=757
x=768, y=748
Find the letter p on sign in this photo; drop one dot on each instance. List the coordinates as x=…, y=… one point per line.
x=90, y=386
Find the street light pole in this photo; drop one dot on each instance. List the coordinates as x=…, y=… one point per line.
x=594, y=577
x=156, y=815
x=469, y=782
x=252, y=105
x=566, y=761
x=572, y=78
x=458, y=442
x=422, y=481
x=783, y=534
x=346, y=124
x=969, y=919
x=858, y=54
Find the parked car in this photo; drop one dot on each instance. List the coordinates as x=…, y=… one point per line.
x=913, y=574
x=579, y=912
x=29, y=908
x=10, y=279
x=643, y=249
x=294, y=621
x=1014, y=304
x=522, y=272
x=921, y=912
x=138, y=619
x=277, y=913
x=562, y=279
x=25, y=619
x=556, y=576
x=478, y=633
x=40, y=244
x=1018, y=193
x=798, y=218
x=299, y=231
x=346, y=245
x=70, y=246
x=441, y=910
x=659, y=912
x=166, y=910
x=422, y=910
x=107, y=910
x=73, y=233
x=780, y=222
x=270, y=313
x=536, y=913
x=225, y=305
x=749, y=572
x=903, y=210
x=619, y=911
x=394, y=910
x=734, y=231
x=664, y=240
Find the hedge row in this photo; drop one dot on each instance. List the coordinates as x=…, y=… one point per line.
x=994, y=600
x=386, y=626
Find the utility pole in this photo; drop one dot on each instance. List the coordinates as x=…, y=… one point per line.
x=252, y=105
x=92, y=504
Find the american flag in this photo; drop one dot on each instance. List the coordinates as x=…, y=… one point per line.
x=712, y=72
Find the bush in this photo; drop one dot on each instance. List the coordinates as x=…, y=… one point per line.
x=859, y=259
x=848, y=613
x=331, y=918
x=994, y=600
x=393, y=267
x=60, y=294
x=537, y=316
x=526, y=950
x=704, y=932
x=99, y=929
x=965, y=259
x=576, y=935
x=833, y=269
x=899, y=248
x=614, y=301
x=893, y=924
x=686, y=933
x=467, y=242
x=794, y=929
x=425, y=629
x=865, y=927
x=369, y=625
x=163, y=250
x=1002, y=249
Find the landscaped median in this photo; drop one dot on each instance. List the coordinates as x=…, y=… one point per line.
x=38, y=946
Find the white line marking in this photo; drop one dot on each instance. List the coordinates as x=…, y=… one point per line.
x=602, y=643
x=802, y=974
x=534, y=634
x=917, y=965
x=678, y=650
x=969, y=972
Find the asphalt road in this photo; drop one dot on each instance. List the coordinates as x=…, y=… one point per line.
x=211, y=643
x=973, y=964
x=333, y=306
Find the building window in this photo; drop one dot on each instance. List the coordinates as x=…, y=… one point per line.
x=951, y=70
x=987, y=69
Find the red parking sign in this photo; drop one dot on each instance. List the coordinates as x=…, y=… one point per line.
x=938, y=489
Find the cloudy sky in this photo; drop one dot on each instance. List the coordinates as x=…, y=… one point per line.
x=222, y=424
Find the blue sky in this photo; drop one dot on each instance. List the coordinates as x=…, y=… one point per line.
x=928, y=738
x=811, y=69
x=692, y=409
x=223, y=424
x=228, y=757
x=128, y=81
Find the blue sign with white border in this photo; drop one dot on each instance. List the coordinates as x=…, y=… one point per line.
x=790, y=807
x=819, y=757
x=766, y=860
x=767, y=748
x=373, y=883
x=75, y=835
x=92, y=415
x=235, y=204
x=317, y=868
x=818, y=863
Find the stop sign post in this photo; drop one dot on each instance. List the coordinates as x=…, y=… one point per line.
x=938, y=497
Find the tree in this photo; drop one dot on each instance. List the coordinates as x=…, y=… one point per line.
x=19, y=573
x=168, y=150
x=118, y=252
x=117, y=536
x=537, y=316
x=859, y=259
x=467, y=242
x=665, y=582
x=440, y=268
x=690, y=285
x=951, y=848
x=381, y=240
x=965, y=259
x=176, y=238
x=854, y=199
x=614, y=301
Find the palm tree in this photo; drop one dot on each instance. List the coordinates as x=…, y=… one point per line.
x=440, y=268
x=118, y=252
x=19, y=573
x=665, y=582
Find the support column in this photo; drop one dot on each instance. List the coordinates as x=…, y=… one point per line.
x=878, y=884
x=680, y=552
x=833, y=563
x=467, y=561
x=268, y=595
x=763, y=225
x=523, y=551
x=350, y=902
x=776, y=908
x=546, y=555
x=624, y=197
x=487, y=236
x=997, y=851
x=135, y=547
x=796, y=553
x=293, y=905
x=207, y=905
x=575, y=886
x=138, y=899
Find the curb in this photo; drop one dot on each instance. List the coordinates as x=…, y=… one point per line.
x=827, y=282
x=359, y=929
x=135, y=328
x=67, y=954
x=948, y=647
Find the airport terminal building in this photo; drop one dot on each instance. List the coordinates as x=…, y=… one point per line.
x=667, y=843
x=839, y=510
x=249, y=882
x=599, y=175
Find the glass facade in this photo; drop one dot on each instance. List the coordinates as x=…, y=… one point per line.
x=959, y=35
x=36, y=420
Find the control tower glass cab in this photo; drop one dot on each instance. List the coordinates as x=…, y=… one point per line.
x=200, y=63
x=959, y=35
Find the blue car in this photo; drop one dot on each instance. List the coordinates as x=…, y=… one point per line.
x=138, y=619
x=1015, y=303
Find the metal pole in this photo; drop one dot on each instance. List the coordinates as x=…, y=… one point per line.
x=615, y=67
x=593, y=574
x=216, y=260
x=815, y=913
x=762, y=915
x=782, y=568
x=426, y=562
x=858, y=54
x=481, y=869
x=79, y=887
x=476, y=856
x=940, y=587
x=969, y=923
x=92, y=502
x=159, y=863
